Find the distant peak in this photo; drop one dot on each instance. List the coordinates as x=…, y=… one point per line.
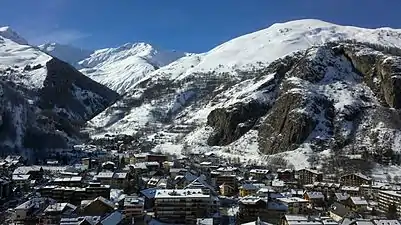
x=8, y=33
x=136, y=45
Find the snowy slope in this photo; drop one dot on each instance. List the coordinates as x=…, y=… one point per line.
x=43, y=100
x=119, y=68
x=16, y=55
x=260, y=48
x=67, y=53
x=8, y=33
x=171, y=105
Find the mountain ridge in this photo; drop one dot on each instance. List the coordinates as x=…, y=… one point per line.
x=119, y=67
x=301, y=94
x=254, y=105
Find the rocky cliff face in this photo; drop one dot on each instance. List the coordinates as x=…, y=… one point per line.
x=342, y=97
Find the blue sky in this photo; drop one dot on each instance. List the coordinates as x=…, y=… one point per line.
x=187, y=25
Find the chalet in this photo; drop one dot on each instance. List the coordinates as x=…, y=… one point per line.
x=251, y=207
x=247, y=189
x=326, y=188
x=259, y=174
x=295, y=205
x=115, y=180
x=357, y=204
x=227, y=190
x=285, y=175
x=96, y=207
x=22, y=181
x=341, y=197
x=308, y=176
x=316, y=199
x=30, y=211
x=54, y=212
x=36, y=172
x=355, y=179
x=305, y=220
x=338, y=211
x=114, y=218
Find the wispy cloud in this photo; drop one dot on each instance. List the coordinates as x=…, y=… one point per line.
x=62, y=36
x=43, y=24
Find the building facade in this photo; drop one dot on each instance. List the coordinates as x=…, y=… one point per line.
x=183, y=206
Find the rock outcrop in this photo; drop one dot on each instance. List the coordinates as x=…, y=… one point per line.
x=231, y=123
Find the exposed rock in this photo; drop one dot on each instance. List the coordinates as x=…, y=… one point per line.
x=382, y=72
x=231, y=123
x=291, y=120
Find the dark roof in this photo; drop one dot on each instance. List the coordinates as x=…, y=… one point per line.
x=339, y=209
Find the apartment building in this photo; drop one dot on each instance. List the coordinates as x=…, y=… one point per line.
x=355, y=180
x=74, y=195
x=387, y=199
x=183, y=206
x=133, y=208
x=308, y=176
x=115, y=180
x=295, y=205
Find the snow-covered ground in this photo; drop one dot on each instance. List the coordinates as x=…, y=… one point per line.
x=16, y=55
x=227, y=63
x=119, y=68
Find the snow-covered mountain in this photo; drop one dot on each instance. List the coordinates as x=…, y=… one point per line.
x=8, y=33
x=117, y=68
x=67, y=53
x=43, y=101
x=296, y=89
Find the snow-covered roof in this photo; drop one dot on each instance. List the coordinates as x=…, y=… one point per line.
x=326, y=184
x=60, y=207
x=360, y=175
x=179, y=193
x=359, y=201
x=292, y=200
x=386, y=222
x=26, y=169
x=251, y=200
x=69, y=179
x=349, y=188
x=101, y=199
x=249, y=187
x=104, y=175
x=259, y=171
x=113, y=219
x=20, y=177
x=341, y=196
x=133, y=201
x=278, y=183
x=204, y=221
x=120, y=175
x=315, y=195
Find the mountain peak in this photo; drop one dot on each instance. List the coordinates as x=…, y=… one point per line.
x=8, y=33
